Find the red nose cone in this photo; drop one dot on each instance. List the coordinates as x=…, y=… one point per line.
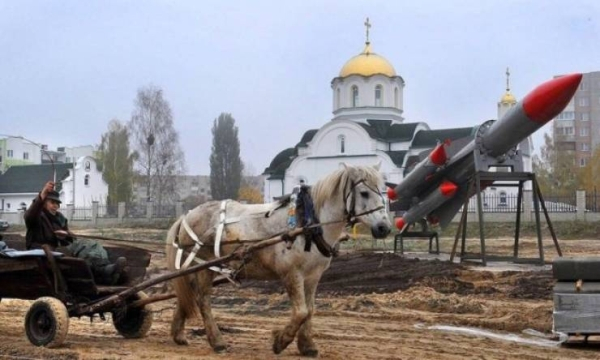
x=438, y=155
x=549, y=99
x=448, y=189
x=391, y=194
x=400, y=223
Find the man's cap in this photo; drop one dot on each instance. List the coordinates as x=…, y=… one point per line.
x=53, y=195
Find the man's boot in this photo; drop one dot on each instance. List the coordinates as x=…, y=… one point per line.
x=112, y=272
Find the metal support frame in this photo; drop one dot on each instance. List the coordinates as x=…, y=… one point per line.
x=431, y=235
x=475, y=184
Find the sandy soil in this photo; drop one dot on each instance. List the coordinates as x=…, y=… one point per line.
x=369, y=306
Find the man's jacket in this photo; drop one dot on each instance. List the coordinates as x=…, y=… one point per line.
x=41, y=225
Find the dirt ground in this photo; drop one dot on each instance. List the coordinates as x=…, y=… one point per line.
x=370, y=305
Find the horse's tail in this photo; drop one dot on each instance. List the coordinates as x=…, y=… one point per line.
x=182, y=285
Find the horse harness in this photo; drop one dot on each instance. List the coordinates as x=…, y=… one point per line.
x=306, y=217
x=350, y=215
x=226, y=272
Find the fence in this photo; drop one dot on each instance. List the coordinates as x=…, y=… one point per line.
x=581, y=206
x=136, y=211
x=108, y=211
x=507, y=203
x=164, y=211
x=81, y=214
x=592, y=201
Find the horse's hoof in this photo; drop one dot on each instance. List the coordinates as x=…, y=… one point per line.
x=310, y=352
x=180, y=341
x=219, y=349
x=278, y=347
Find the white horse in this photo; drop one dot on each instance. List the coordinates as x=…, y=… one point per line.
x=346, y=193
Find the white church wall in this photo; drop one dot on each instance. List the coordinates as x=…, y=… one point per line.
x=273, y=188
x=381, y=146
x=366, y=91
x=84, y=184
x=321, y=167
x=327, y=142
x=403, y=146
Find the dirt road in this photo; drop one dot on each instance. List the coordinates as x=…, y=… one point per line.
x=369, y=306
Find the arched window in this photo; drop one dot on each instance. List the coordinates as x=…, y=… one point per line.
x=342, y=143
x=378, y=95
x=502, y=198
x=337, y=99
x=86, y=180
x=396, y=98
x=354, y=96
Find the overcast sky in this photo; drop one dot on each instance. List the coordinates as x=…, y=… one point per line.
x=68, y=67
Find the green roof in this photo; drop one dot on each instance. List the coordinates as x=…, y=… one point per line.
x=430, y=138
x=280, y=162
x=397, y=156
x=386, y=131
x=307, y=137
x=31, y=178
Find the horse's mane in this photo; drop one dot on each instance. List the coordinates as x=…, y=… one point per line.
x=340, y=179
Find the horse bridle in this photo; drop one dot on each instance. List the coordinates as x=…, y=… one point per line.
x=351, y=216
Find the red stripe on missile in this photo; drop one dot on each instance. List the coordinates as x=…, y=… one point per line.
x=448, y=189
x=391, y=194
x=400, y=223
x=438, y=155
x=546, y=101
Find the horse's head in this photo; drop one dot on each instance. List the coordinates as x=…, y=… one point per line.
x=361, y=186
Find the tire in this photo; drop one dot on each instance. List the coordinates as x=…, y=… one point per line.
x=133, y=323
x=47, y=322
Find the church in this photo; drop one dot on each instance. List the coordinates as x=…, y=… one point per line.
x=367, y=128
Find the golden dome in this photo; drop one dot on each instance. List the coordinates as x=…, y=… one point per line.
x=367, y=63
x=508, y=98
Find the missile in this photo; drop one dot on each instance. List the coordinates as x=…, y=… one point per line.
x=496, y=138
x=442, y=194
x=422, y=171
x=538, y=107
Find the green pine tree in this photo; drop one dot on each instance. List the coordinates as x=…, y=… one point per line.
x=117, y=163
x=225, y=162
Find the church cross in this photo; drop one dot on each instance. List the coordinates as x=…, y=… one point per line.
x=507, y=79
x=367, y=26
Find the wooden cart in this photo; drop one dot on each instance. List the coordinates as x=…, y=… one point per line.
x=64, y=287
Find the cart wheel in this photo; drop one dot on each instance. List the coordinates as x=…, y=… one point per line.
x=47, y=322
x=133, y=323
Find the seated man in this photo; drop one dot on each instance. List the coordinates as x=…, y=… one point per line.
x=46, y=225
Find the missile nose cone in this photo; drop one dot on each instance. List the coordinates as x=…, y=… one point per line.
x=549, y=99
x=400, y=223
x=438, y=155
x=391, y=194
x=448, y=189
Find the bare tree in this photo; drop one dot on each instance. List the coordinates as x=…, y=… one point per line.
x=157, y=143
